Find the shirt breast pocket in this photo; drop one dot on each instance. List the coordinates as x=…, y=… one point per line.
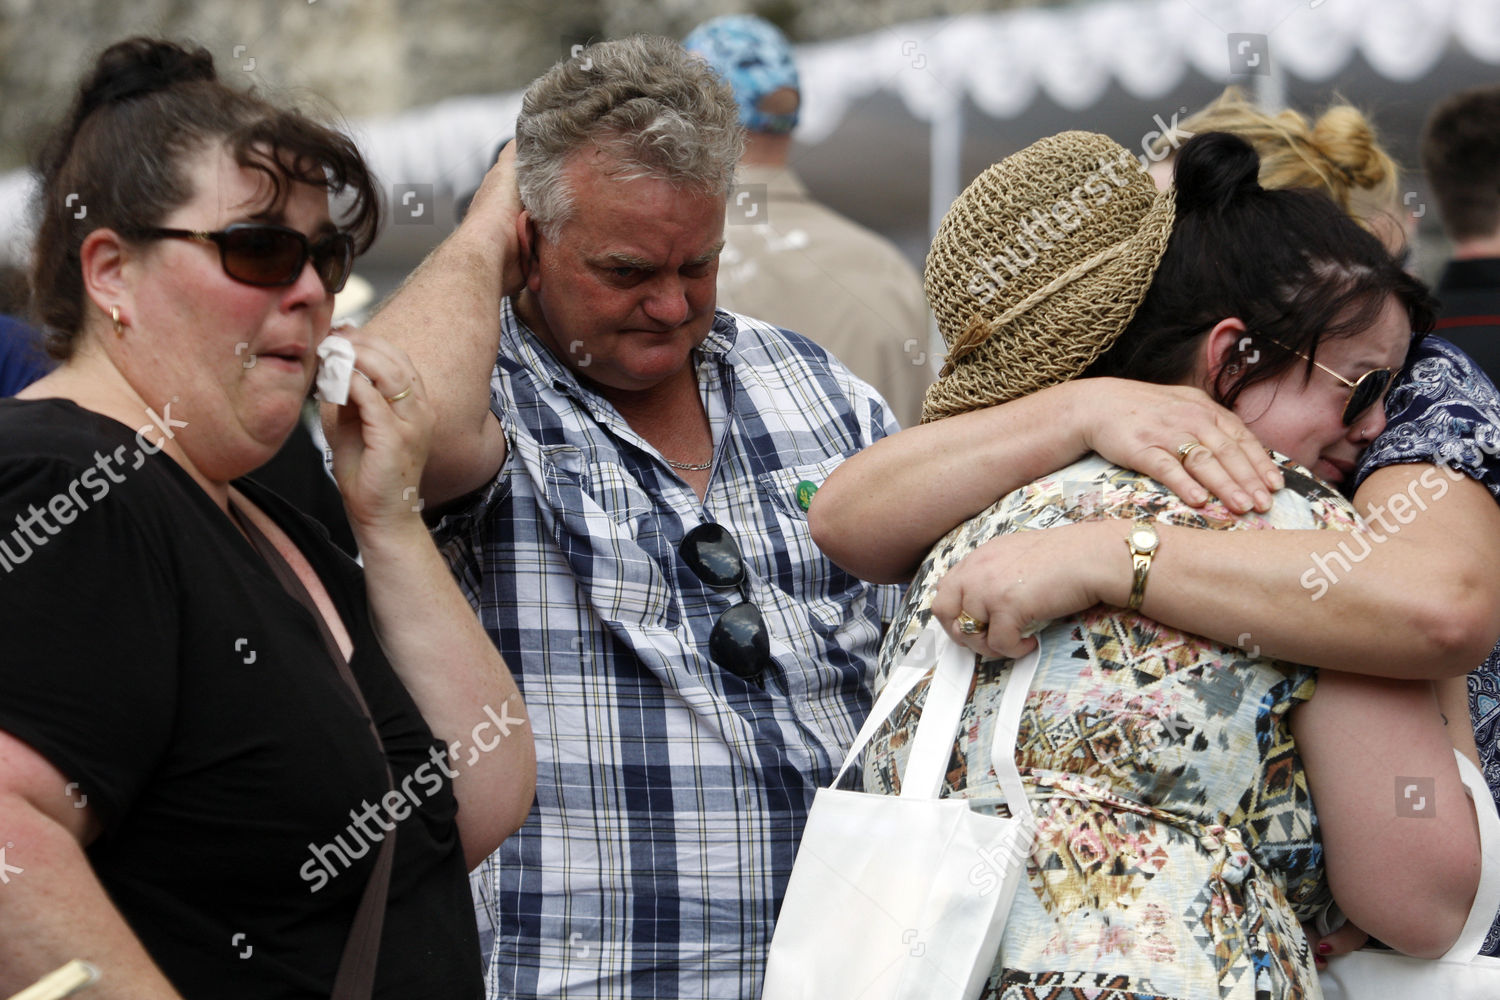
x=605, y=525
x=801, y=569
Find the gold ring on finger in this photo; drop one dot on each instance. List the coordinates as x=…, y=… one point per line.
x=968, y=624
x=1183, y=451
x=399, y=396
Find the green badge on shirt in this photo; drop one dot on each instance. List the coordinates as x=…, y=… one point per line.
x=805, y=491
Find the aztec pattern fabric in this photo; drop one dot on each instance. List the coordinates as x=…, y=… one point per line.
x=1445, y=411
x=1177, y=847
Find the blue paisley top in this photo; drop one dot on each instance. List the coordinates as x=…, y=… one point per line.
x=1444, y=410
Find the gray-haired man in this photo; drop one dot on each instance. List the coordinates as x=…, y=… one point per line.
x=626, y=473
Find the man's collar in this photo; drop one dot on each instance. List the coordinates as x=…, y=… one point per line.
x=721, y=336
x=521, y=343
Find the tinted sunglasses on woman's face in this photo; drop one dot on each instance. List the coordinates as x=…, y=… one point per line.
x=1364, y=392
x=739, y=642
x=268, y=256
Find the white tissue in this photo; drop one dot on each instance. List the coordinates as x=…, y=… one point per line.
x=335, y=369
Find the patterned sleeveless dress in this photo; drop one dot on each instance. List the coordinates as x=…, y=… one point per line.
x=1177, y=848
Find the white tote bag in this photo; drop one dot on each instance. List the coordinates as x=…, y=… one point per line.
x=1461, y=974
x=904, y=897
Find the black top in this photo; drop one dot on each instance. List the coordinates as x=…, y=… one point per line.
x=1469, y=317
x=152, y=657
x=296, y=475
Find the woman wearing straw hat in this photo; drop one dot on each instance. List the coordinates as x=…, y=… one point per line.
x=1421, y=604
x=1177, y=848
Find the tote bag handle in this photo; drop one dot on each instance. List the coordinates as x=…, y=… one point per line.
x=1487, y=896
x=952, y=671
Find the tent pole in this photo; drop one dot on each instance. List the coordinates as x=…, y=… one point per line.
x=945, y=149
x=945, y=155
x=1270, y=89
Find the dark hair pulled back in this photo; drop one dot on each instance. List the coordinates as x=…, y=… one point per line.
x=118, y=161
x=1288, y=263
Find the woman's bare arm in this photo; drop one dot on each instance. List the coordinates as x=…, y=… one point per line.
x=446, y=317
x=430, y=634
x=1453, y=701
x=881, y=511
x=52, y=908
x=1423, y=601
x=1400, y=838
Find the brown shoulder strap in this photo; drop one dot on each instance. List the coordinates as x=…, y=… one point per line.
x=356, y=975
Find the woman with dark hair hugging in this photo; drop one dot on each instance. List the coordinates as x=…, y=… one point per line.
x=1172, y=777
x=1414, y=594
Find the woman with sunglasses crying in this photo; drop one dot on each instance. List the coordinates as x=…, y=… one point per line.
x=254, y=770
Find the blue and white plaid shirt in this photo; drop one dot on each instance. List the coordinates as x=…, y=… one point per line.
x=670, y=793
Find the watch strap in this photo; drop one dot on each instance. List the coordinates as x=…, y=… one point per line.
x=1140, y=565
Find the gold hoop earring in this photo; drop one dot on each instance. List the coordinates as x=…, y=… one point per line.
x=114, y=314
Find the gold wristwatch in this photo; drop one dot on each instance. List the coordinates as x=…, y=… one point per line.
x=1142, y=541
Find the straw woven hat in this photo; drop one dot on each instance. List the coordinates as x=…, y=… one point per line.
x=1038, y=267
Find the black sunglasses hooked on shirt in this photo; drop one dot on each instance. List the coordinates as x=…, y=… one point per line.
x=268, y=256
x=739, y=642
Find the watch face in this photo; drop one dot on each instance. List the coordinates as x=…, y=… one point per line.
x=1143, y=539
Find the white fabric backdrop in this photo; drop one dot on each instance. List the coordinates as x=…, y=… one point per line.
x=1000, y=61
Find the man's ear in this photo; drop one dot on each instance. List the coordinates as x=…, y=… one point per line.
x=527, y=237
x=1229, y=343
x=104, y=259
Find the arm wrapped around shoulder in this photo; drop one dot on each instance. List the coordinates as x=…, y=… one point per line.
x=1400, y=837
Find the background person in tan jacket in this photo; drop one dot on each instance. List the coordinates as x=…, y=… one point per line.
x=789, y=260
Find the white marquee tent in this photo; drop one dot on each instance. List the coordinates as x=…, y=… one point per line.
x=896, y=121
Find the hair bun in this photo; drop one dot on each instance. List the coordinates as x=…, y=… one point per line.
x=1213, y=170
x=1345, y=137
x=138, y=66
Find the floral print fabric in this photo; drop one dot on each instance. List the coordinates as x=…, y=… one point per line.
x=1177, y=848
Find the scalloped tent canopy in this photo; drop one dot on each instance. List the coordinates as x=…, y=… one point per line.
x=1004, y=62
